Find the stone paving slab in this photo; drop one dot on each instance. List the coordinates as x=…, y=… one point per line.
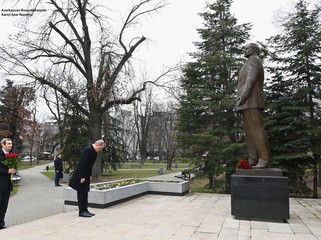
x=37, y=212
x=193, y=216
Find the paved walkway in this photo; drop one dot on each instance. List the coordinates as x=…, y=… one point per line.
x=37, y=197
x=194, y=216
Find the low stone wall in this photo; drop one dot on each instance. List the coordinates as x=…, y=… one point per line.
x=169, y=188
x=105, y=198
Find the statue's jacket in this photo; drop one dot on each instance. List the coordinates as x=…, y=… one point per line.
x=250, y=84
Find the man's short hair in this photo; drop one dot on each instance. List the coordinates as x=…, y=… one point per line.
x=100, y=142
x=5, y=140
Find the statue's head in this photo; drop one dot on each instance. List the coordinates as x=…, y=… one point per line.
x=251, y=48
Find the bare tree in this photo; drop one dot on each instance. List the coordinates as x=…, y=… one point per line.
x=143, y=114
x=170, y=137
x=129, y=132
x=100, y=69
x=33, y=130
x=162, y=134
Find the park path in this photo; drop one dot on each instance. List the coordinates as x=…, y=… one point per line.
x=37, y=197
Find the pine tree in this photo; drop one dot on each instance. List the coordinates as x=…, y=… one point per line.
x=209, y=128
x=294, y=92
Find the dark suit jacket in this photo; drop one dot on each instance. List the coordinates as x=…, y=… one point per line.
x=5, y=182
x=83, y=169
x=58, y=165
x=250, y=84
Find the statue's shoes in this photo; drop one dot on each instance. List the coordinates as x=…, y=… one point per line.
x=261, y=164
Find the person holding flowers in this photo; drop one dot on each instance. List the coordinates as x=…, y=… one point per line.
x=6, y=171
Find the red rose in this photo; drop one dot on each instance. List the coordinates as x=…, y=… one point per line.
x=243, y=164
x=12, y=160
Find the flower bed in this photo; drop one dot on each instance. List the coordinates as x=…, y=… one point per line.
x=115, y=184
x=106, y=194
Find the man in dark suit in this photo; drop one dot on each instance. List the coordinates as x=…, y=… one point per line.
x=58, y=169
x=250, y=103
x=5, y=180
x=80, y=180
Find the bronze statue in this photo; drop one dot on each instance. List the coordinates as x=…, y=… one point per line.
x=250, y=103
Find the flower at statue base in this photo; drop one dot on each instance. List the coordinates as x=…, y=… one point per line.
x=243, y=164
x=12, y=160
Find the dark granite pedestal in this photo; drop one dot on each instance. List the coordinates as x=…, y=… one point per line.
x=260, y=194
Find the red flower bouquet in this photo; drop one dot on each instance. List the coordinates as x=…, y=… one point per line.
x=243, y=164
x=12, y=160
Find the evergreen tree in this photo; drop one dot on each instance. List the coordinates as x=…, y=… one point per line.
x=294, y=93
x=76, y=137
x=209, y=128
x=77, y=134
x=115, y=153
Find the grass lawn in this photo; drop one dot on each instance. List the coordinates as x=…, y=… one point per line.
x=133, y=173
x=49, y=174
x=151, y=165
x=149, y=169
x=199, y=185
x=26, y=165
x=15, y=188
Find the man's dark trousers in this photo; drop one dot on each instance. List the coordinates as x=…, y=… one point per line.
x=82, y=198
x=4, y=200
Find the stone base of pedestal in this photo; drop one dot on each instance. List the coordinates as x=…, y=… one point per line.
x=262, y=194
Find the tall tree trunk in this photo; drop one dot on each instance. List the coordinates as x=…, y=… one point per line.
x=97, y=171
x=170, y=157
x=315, y=176
x=319, y=170
x=211, y=181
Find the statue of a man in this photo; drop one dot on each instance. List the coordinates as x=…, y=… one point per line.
x=250, y=103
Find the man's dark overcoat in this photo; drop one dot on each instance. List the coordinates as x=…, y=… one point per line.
x=5, y=182
x=83, y=169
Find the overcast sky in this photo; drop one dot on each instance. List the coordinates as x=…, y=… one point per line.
x=173, y=31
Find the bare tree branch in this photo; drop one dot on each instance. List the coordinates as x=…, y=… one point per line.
x=74, y=48
x=134, y=14
x=135, y=95
x=44, y=81
x=46, y=59
x=71, y=25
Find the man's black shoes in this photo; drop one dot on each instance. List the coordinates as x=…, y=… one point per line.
x=84, y=214
x=2, y=227
x=92, y=214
